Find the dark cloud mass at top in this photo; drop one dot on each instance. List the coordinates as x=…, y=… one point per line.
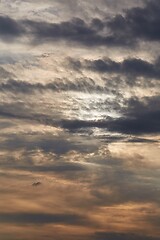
x=122, y=30
x=79, y=120
x=75, y=30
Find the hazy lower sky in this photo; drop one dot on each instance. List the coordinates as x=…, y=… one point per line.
x=79, y=120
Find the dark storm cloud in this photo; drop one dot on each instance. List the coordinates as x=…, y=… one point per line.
x=122, y=236
x=42, y=218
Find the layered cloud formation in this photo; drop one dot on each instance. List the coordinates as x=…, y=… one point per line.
x=79, y=119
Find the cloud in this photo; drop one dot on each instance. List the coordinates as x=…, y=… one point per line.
x=125, y=30
x=61, y=167
x=42, y=218
x=4, y=74
x=122, y=30
x=59, y=145
x=140, y=117
x=138, y=22
x=143, y=124
x=133, y=67
x=76, y=30
x=154, y=219
x=121, y=236
x=72, y=132
x=9, y=28
x=141, y=140
x=117, y=75
x=83, y=84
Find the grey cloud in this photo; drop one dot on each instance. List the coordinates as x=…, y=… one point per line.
x=6, y=124
x=10, y=28
x=138, y=22
x=133, y=67
x=17, y=111
x=81, y=84
x=140, y=116
x=60, y=167
x=154, y=220
x=125, y=30
x=75, y=30
x=126, y=184
x=42, y=218
x=25, y=111
x=75, y=124
x=142, y=124
x=48, y=144
x=122, y=236
x=141, y=140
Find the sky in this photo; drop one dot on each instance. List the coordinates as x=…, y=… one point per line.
x=79, y=120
